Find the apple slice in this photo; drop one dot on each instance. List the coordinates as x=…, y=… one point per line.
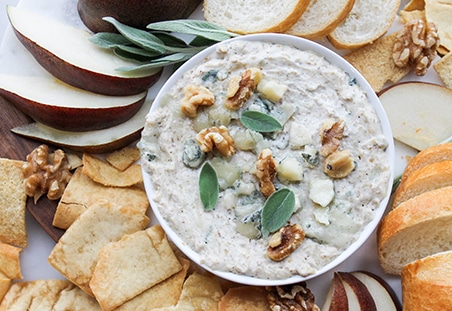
x=336, y=299
x=419, y=113
x=100, y=141
x=66, y=53
x=384, y=296
x=65, y=107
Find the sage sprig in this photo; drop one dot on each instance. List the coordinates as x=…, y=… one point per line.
x=160, y=44
x=277, y=210
x=208, y=186
x=259, y=122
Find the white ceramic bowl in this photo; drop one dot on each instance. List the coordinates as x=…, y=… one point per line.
x=333, y=58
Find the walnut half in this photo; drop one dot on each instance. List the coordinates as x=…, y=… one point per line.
x=194, y=97
x=216, y=136
x=240, y=88
x=266, y=167
x=284, y=242
x=46, y=172
x=295, y=297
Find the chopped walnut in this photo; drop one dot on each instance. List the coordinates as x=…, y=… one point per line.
x=241, y=88
x=331, y=136
x=195, y=96
x=46, y=172
x=416, y=45
x=266, y=172
x=216, y=136
x=284, y=242
x=339, y=164
x=294, y=297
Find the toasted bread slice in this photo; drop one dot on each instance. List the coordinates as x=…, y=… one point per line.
x=254, y=16
x=417, y=228
x=426, y=280
x=367, y=21
x=321, y=17
x=429, y=177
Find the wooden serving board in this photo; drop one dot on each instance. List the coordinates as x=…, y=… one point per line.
x=15, y=147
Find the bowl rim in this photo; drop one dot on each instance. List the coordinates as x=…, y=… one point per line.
x=332, y=57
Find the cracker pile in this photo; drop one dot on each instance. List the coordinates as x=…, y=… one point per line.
x=109, y=255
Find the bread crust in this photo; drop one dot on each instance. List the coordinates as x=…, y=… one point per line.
x=278, y=26
x=426, y=283
x=429, y=177
x=429, y=211
x=336, y=18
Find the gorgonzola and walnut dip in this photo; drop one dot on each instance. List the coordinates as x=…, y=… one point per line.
x=329, y=153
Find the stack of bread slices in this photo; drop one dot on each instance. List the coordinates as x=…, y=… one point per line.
x=415, y=237
x=347, y=24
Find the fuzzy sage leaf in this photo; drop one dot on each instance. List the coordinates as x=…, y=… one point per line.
x=259, y=122
x=208, y=186
x=277, y=210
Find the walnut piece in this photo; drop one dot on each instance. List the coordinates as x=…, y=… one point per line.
x=331, y=136
x=416, y=45
x=294, y=297
x=284, y=242
x=241, y=88
x=195, y=96
x=216, y=136
x=339, y=164
x=266, y=171
x=46, y=172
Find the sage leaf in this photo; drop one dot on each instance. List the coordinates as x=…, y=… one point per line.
x=158, y=62
x=108, y=40
x=193, y=27
x=208, y=186
x=142, y=38
x=259, y=122
x=277, y=210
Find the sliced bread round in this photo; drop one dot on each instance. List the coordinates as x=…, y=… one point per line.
x=321, y=17
x=419, y=227
x=367, y=21
x=427, y=283
x=427, y=156
x=254, y=16
x=429, y=177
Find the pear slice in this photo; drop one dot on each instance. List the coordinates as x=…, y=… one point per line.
x=359, y=296
x=64, y=107
x=336, y=299
x=66, y=52
x=100, y=141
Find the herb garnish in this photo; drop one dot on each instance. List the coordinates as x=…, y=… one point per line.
x=277, y=210
x=259, y=122
x=158, y=47
x=208, y=186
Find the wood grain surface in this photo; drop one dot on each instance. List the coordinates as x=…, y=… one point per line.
x=16, y=147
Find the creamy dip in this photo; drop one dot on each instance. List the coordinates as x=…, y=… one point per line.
x=314, y=90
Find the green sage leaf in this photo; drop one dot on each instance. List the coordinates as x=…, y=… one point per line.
x=259, y=122
x=108, y=40
x=158, y=62
x=142, y=38
x=193, y=27
x=208, y=186
x=277, y=210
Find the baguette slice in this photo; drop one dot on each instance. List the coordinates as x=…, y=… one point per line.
x=427, y=283
x=419, y=227
x=321, y=17
x=427, y=156
x=429, y=177
x=367, y=21
x=254, y=16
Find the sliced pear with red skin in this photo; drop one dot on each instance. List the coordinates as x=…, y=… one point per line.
x=64, y=107
x=336, y=299
x=66, y=52
x=100, y=141
x=384, y=296
x=359, y=296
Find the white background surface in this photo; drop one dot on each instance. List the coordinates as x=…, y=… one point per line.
x=34, y=257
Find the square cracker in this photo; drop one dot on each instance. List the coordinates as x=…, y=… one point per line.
x=13, y=201
x=123, y=158
x=82, y=191
x=75, y=254
x=47, y=295
x=130, y=266
x=10, y=261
